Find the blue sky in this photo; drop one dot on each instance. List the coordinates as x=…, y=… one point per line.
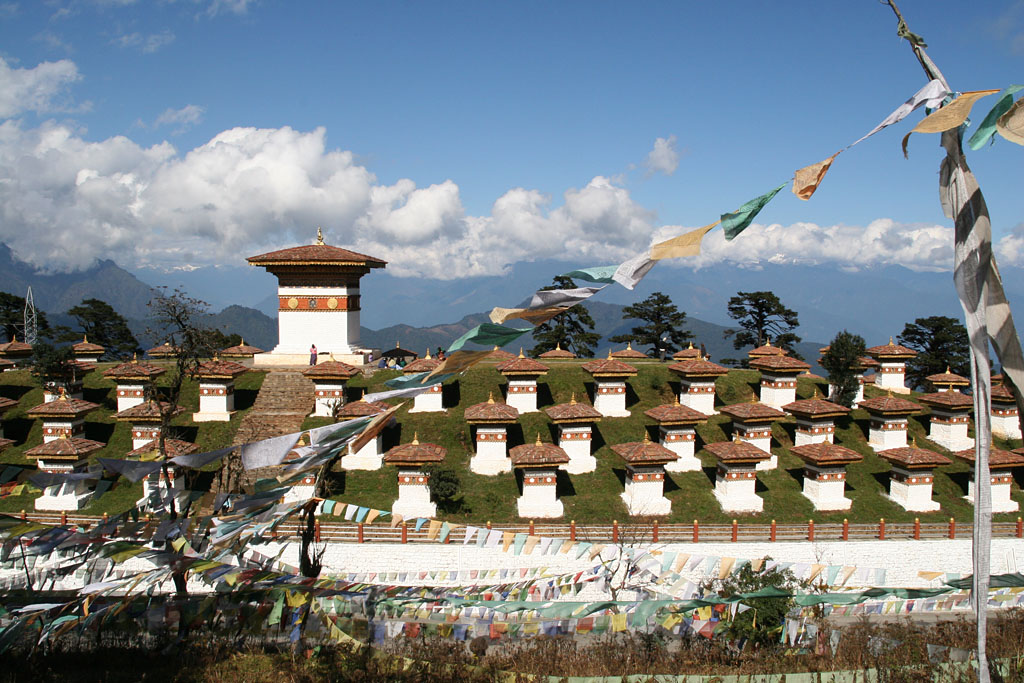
x=454, y=139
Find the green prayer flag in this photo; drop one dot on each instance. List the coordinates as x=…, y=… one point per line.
x=988, y=125
x=488, y=334
x=274, y=618
x=519, y=541
x=600, y=274
x=736, y=222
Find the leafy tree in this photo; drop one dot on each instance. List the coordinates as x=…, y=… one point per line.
x=940, y=342
x=763, y=319
x=101, y=324
x=664, y=328
x=840, y=361
x=445, y=488
x=223, y=341
x=572, y=329
x=761, y=623
x=12, y=317
x=52, y=365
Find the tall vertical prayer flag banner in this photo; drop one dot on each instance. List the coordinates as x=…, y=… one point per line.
x=736, y=222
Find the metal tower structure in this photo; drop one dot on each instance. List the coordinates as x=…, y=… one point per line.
x=30, y=319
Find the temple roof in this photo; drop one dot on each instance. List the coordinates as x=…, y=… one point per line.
x=134, y=370
x=811, y=376
x=174, y=448
x=644, y=452
x=425, y=364
x=752, y=411
x=572, y=412
x=765, y=351
x=892, y=351
x=1002, y=394
x=913, y=458
x=5, y=364
x=415, y=453
x=85, y=346
x=698, y=368
x=520, y=365
x=736, y=452
x=948, y=379
x=242, y=350
x=4, y=443
x=315, y=254
x=537, y=454
x=815, y=407
x=557, y=352
x=500, y=355
x=779, y=364
x=62, y=407
x=609, y=367
x=224, y=369
x=6, y=404
x=147, y=411
x=363, y=408
x=15, y=348
x=687, y=353
x=947, y=399
x=63, y=448
x=165, y=350
x=675, y=414
x=866, y=362
x=331, y=369
x=997, y=457
x=889, y=405
x=629, y=352
x=489, y=411
x=826, y=454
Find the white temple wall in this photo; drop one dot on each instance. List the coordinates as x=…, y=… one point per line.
x=682, y=442
x=698, y=395
x=522, y=395
x=610, y=398
x=888, y=434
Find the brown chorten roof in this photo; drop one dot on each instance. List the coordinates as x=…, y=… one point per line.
x=492, y=412
x=752, y=412
x=810, y=376
x=675, y=414
x=609, y=367
x=889, y=405
x=815, y=407
x=174, y=448
x=221, y=369
x=948, y=379
x=500, y=355
x=165, y=350
x=1002, y=394
x=891, y=351
x=557, y=352
x=363, y=408
x=85, y=346
x=572, y=412
x=629, y=352
x=243, y=350
x=15, y=349
x=331, y=369
x=147, y=411
x=6, y=404
x=316, y=254
x=538, y=454
x=5, y=364
x=951, y=400
x=4, y=443
x=826, y=454
x=62, y=407
x=913, y=458
x=644, y=452
x=64, y=448
x=521, y=365
x=779, y=364
x=687, y=353
x=425, y=364
x=698, y=368
x=736, y=452
x=998, y=459
x=866, y=362
x=415, y=453
x=134, y=370
x=765, y=351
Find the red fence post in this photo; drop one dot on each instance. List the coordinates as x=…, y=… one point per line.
x=63, y=517
x=615, y=531
x=654, y=532
x=735, y=531
x=696, y=531
x=24, y=515
x=917, y=529
x=405, y=533
x=846, y=529
x=881, y=529
x=952, y=528
x=810, y=530
x=1020, y=528
x=572, y=530
x=531, y=527
x=773, y=532
x=316, y=530
x=359, y=532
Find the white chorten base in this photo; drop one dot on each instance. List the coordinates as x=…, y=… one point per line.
x=699, y=396
x=156, y=482
x=576, y=442
x=737, y=495
x=886, y=379
x=1005, y=426
x=826, y=494
x=760, y=439
x=430, y=401
x=776, y=397
x=681, y=442
x=522, y=395
x=368, y=457
x=413, y=496
x=1001, y=501
x=66, y=496
x=950, y=436
x=915, y=497
x=540, y=498
x=329, y=398
x=644, y=494
x=610, y=399
x=53, y=429
x=281, y=359
x=807, y=432
x=883, y=439
x=212, y=417
x=490, y=462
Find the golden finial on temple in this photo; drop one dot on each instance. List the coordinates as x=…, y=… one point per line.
x=319, y=237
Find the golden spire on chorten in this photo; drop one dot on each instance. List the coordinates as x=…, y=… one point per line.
x=319, y=237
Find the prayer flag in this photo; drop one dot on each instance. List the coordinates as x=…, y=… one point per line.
x=488, y=334
x=534, y=316
x=953, y=114
x=807, y=179
x=631, y=272
x=459, y=361
x=682, y=246
x=599, y=274
x=1011, y=124
x=931, y=96
x=736, y=222
x=987, y=127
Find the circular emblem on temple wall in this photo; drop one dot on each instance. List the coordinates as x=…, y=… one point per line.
x=332, y=303
x=293, y=303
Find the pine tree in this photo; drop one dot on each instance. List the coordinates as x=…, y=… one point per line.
x=940, y=342
x=572, y=329
x=101, y=324
x=763, y=319
x=840, y=361
x=664, y=328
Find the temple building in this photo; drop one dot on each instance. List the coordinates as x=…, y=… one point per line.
x=64, y=455
x=888, y=426
x=217, y=389
x=16, y=352
x=752, y=423
x=539, y=463
x=950, y=419
x=629, y=353
x=1000, y=469
x=697, y=383
x=946, y=381
x=892, y=360
x=370, y=455
x=815, y=420
x=825, y=473
x=64, y=417
x=500, y=355
x=910, y=482
x=765, y=351
x=1005, y=418
x=431, y=400
x=778, y=378
x=146, y=421
x=164, y=351
x=575, y=423
x=522, y=374
x=677, y=432
x=689, y=353
x=241, y=352
x=413, y=480
x=329, y=381
x=610, y=385
x=736, y=476
x=318, y=302
x=645, y=477
x=86, y=352
x=133, y=380
x=557, y=353
x=491, y=421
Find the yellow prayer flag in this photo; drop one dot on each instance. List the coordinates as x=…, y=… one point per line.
x=815, y=570
x=507, y=538
x=704, y=613
x=756, y=565
x=296, y=598
x=396, y=519
x=953, y=114
x=808, y=178
x=433, y=529
x=566, y=547
x=680, y=562
x=682, y=246
x=531, y=542
x=618, y=622
x=725, y=566
x=930, y=576
x=459, y=361
x=535, y=316
x=1011, y=124
x=847, y=573
x=670, y=621
x=372, y=515
x=595, y=550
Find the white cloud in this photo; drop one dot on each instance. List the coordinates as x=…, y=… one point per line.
x=229, y=7
x=1009, y=250
x=663, y=158
x=181, y=119
x=147, y=44
x=38, y=89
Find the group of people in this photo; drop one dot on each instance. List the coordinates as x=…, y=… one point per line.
x=383, y=363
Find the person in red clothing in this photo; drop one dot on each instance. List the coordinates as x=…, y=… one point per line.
x=312, y=354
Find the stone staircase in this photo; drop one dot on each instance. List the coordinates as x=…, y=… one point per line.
x=284, y=401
